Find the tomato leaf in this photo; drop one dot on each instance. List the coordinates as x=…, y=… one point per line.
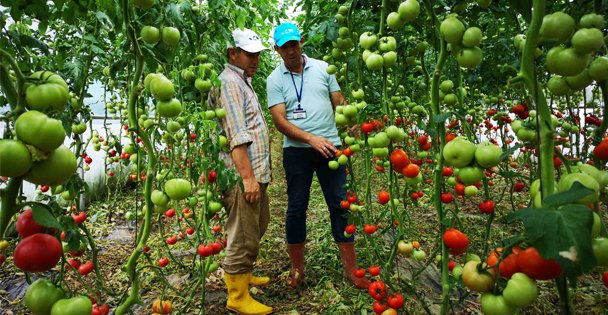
x=576, y=192
x=563, y=234
x=43, y=217
x=442, y=118
x=510, y=151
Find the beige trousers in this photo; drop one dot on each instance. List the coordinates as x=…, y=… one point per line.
x=247, y=223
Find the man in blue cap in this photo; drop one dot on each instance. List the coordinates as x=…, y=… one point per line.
x=302, y=99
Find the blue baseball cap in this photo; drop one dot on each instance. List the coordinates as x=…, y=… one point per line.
x=286, y=32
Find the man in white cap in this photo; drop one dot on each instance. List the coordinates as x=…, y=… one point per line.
x=248, y=207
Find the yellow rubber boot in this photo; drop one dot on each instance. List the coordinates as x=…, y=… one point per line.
x=259, y=281
x=239, y=299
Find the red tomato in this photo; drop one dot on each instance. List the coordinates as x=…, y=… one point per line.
x=211, y=176
x=217, y=228
x=163, y=262
x=423, y=139
x=605, y=278
x=75, y=263
x=519, y=186
x=370, y=229
x=399, y=160
x=447, y=171
x=487, y=206
x=457, y=241
x=360, y=272
x=379, y=307
x=205, y=250
x=171, y=240
x=459, y=188
x=377, y=290
x=601, y=150
x=451, y=265
x=374, y=271
x=80, y=217
x=26, y=225
x=350, y=229
x=216, y=246
x=86, y=268
x=447, y=197
x=170, y=213
x=367, y=127
x=351, y=197
x=397, y=301
x=344, y=204
x=383, y=197
x=348, y=151
x=535, y=266
x=37, y=253
x=411, y=170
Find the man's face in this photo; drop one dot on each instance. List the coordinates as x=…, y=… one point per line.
x=245, y=60
x=291, y=52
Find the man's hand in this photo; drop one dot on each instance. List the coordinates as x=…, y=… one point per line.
x=252, y=190
x=324, y=146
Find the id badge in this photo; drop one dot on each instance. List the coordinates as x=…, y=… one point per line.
x=299, y=114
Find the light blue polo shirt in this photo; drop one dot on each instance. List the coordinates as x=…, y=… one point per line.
x=318, y=84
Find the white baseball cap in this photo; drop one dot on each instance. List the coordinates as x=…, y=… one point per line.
x=247, y=40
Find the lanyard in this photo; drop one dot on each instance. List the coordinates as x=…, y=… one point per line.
x=299, y=94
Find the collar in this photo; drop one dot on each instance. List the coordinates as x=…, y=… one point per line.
x=238, y=70
x=306, y=64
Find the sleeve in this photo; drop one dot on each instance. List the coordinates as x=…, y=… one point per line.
x=333, y=83
x=235, y=124
x=273, y=91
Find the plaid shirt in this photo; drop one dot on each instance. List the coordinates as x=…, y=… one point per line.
x=244, y=122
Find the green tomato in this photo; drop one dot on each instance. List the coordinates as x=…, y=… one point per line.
x=55, y=170
x=459, y=152
x=600, y=249
x=80, y=305
x=470, y=174
x=598, y=69
x=496, y=305
x=457, y=272
x=471, y=37
x=333, y=165
x=469, y=57
x=37, y=129
x=170, y=36
x=178, y=188
x=487, y=155
x=566, y=182
x=521, y=290
x=586, y=40
x=169, y=109
x=162, y=88
x=48, y=92
x=409, y=10
x=597, y=226
x=342, y=159
x=214, y=206
x=557, y=27
x=15, y=158
x=394, y=21
x=452, y=30
x=475, y=280
x=419, y=255
x=374, y=62
x=159, y=198
x=220, y=113
x=41, y=295
x=150, y=34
